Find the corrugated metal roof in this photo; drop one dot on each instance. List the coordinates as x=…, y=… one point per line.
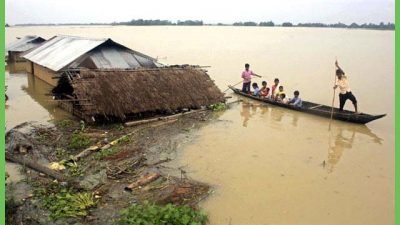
x=59, y=51
x=25, y=43
x=62, y=51
x=114, y=57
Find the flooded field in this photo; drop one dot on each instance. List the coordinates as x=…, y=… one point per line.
x=268, y=165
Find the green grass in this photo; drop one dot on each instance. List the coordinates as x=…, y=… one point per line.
x=151, y=214
x=218, y=107
x=65, y=202
x=105, y=153
x=78, y=141
x=63, y=123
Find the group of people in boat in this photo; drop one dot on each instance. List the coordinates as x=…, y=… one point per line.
x=277, y=93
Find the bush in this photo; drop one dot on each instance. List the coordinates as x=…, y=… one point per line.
x=79, y=141
x=218, y=107
x=150, y=214
x=66, y=202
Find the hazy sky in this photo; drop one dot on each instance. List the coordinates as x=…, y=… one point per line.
x=210, y=11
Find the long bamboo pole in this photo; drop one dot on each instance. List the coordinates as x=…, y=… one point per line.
x=333, y=99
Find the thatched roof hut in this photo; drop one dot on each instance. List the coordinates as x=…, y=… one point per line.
x=120, y=94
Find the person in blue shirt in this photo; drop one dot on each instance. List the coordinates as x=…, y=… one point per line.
x=296, y=101
x=256, y=91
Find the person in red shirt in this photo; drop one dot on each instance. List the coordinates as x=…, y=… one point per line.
x=264, y=91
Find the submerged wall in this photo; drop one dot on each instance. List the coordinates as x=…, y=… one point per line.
x=45, y=74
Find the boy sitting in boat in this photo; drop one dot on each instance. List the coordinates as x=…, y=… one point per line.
x=256, y=91
x=282, y=98
x=279, y=92
x=264, y=91
x=296, y=101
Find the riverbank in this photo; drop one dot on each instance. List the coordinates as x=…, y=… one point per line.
x=130, y=170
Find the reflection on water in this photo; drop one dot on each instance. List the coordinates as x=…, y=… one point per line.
x=344, y=140
x=270, y=160
x=29, y=100
x=344, y=135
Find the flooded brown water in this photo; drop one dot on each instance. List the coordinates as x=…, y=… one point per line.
x=269, y=165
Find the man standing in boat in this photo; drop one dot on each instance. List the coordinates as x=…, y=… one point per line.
x=246, y=75
x=344, y=88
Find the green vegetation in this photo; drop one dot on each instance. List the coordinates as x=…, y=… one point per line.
x=73, y=168
x=141, y=22
x=64, y=123
x=266, y=24
x=218, y=107
x=79, y=141
x=245, y=24
x=287, y=24
x=123, y=139
x=105, y=153
x=150, y=214
x=65, y=202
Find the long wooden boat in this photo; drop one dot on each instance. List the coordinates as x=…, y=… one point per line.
x=318, y=109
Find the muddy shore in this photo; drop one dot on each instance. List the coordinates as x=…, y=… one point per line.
x=120, y=173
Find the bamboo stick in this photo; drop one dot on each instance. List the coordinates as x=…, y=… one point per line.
x=140, y=122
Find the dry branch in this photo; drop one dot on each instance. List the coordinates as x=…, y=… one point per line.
x=143, y=180
x=139, y=122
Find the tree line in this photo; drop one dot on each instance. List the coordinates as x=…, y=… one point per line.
x=381, y=26
x=142, y=22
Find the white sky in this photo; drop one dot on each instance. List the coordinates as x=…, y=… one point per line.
x=210, y=11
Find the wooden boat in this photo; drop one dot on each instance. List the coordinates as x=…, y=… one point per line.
x=318, y=109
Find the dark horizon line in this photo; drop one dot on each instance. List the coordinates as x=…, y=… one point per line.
x=159, y=22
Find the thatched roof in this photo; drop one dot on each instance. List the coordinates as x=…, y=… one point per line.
x=118, y=93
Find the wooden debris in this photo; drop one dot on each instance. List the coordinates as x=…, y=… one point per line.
x=139, y=122
x=86, y=152
x=143, y=180
x=95, y=148
x=35, y=166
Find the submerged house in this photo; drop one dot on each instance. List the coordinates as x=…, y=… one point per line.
x=118, y=95
x=69, y=52
x=18, y=47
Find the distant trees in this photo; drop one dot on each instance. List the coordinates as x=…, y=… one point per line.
x=266, y=24
x=287, y=24
x=142, y=22
x=249, y=24
x=7, y=25
x=380, y=26
x=190, y=23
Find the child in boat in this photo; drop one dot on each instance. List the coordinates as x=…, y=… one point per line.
x=282, y=98
x=279, y=92
x=274, y=86
x=296, y=101
x=256, y=91
x=264, y=91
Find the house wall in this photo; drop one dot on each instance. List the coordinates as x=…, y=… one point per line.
x=45, y=74
x=15, y=63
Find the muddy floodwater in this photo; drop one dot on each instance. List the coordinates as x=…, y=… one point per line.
x=268, y=165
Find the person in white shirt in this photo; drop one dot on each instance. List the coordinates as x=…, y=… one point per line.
x=344, y=88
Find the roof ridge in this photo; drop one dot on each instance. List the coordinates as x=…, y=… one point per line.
x=81, y=38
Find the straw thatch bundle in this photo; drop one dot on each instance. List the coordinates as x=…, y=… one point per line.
x=118, y=93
